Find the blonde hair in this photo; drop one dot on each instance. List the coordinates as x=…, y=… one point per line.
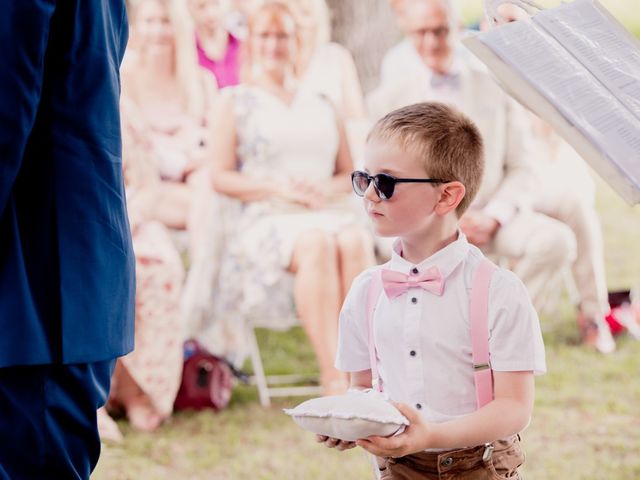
x=272, y=8
x=187, y=70
x=448, y=143
x=321, y=14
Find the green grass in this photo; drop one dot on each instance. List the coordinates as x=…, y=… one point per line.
x=586, y=423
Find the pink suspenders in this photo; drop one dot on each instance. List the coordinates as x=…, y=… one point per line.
x=479, y=321
x=375, y=289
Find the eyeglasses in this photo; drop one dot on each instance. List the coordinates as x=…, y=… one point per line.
x=383, y=184
x=438, y=32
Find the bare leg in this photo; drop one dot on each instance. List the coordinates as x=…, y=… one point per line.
x=137, y=406
x=172, y=206
x=355, y=253
x=107, y=427
x=200, y=217
x=317, y=297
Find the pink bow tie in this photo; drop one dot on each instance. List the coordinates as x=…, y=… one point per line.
x=396, y=283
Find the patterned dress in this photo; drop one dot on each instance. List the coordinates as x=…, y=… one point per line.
x=275, y=141
x=156, y=362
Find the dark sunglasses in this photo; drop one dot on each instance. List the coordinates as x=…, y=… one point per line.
x=383, y=184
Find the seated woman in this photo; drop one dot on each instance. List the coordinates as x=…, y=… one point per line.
x=282, y=152
x=168, y=98
x=146, y=381
x=218, y=49
x=328, y=68
x=166, y=146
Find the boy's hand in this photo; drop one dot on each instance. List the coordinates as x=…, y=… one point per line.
x=415, y=437
x=335, y=443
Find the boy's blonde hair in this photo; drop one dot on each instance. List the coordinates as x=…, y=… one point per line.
x=448, y=143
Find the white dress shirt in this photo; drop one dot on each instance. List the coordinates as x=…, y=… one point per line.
x=423, y=340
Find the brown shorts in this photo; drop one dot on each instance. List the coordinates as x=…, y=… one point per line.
x=499, y=460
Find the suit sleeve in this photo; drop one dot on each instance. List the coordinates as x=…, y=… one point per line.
x=24, y=35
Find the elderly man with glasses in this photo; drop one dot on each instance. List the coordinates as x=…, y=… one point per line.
x=429, y=65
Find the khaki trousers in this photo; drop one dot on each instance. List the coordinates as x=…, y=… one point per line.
x=588, y=268
x=538, y=248
x=498, y=461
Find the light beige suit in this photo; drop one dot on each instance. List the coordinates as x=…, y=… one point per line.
x=568, y=194
x=538, y=245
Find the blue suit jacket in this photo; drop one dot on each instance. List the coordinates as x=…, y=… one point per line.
x=66, y=261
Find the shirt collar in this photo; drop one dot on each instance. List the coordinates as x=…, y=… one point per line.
x=451, y=78
x=446, y=259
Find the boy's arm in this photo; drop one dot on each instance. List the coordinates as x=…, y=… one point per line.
x=360, y=380
x=506, y=415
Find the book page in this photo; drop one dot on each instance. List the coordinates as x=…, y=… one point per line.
x=601, y=44
x=583, y=101
x=525, y=93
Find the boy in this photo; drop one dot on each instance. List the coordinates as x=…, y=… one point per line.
x=423, y=166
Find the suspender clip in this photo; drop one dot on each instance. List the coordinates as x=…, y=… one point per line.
x=481, y=366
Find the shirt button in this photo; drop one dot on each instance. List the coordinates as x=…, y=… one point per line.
x=414, y=300
x=414, y=271
x=412, y=353
x=419, y=406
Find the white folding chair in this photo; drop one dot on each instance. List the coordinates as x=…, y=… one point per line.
x=277, y=385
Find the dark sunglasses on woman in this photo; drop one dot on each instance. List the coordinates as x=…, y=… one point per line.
x=383, y=184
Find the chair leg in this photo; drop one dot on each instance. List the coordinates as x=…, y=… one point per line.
x=258, y=370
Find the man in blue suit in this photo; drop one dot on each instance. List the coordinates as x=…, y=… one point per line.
x=66, y=260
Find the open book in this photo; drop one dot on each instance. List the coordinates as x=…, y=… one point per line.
x=579, y=69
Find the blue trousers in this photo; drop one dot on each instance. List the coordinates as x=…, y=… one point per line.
x=48, y=426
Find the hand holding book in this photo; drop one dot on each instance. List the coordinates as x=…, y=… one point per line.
x=576, y=67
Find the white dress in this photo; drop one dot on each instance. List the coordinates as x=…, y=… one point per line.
x=328, y=74
x=274, y=141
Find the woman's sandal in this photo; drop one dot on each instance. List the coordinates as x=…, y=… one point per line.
x=596, y=335
x=142, y=416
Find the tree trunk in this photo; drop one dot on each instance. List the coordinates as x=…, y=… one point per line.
x=368, y=29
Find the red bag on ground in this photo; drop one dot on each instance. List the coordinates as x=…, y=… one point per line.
x=207, y=381
x=624, y=315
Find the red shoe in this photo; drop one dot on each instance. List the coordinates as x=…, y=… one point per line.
x=613, y=321
x=625, y=317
